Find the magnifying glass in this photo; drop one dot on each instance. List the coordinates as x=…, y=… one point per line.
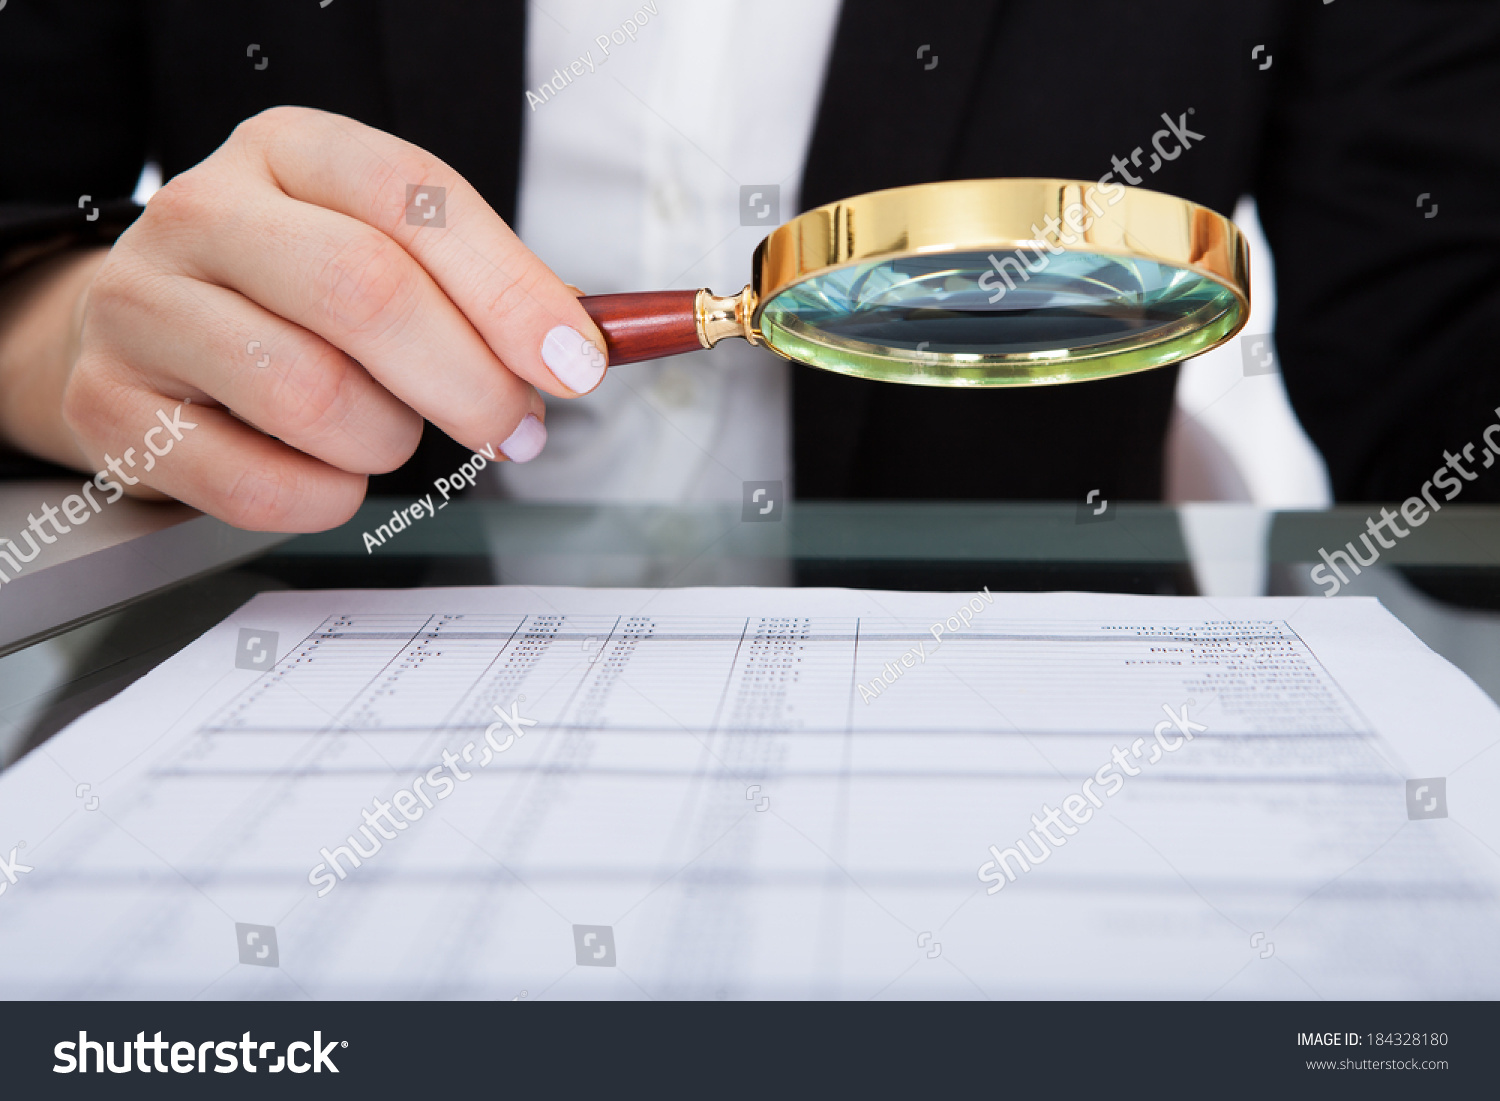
x=1010, y=282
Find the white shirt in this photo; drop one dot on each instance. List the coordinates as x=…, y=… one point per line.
x=631, y=180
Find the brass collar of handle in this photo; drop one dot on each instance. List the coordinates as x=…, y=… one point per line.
x=721, y=315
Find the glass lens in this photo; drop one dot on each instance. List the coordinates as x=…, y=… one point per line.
x=1000, y=318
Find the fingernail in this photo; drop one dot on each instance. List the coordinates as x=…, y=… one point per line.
x=577, y=363
x=526, y=442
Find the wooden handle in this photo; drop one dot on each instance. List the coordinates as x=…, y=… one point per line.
x=646, y=325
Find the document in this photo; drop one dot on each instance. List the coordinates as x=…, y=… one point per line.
x=537, y=793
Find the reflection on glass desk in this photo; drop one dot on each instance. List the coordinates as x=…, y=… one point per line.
x=1442, y=579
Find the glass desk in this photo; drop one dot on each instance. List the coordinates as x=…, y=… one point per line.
x=1442, y=580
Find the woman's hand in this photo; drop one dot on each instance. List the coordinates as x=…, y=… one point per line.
x=306, y=291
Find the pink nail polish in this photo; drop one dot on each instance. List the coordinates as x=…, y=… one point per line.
x=577, y=363
x=526, y=442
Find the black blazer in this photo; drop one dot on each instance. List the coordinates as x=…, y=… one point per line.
x=1388, y=317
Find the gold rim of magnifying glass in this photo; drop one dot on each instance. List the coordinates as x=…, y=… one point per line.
x=994, y=216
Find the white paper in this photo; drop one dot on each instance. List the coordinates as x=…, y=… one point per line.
x=707, y=785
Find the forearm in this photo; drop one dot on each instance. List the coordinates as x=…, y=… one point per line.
x=41, y=312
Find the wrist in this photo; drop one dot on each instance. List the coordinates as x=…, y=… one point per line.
x=41, y=320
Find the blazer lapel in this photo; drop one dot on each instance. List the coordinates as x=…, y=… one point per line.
x=900, y=83
x=457, y=75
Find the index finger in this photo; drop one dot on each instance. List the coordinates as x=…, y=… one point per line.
x=529, y=318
